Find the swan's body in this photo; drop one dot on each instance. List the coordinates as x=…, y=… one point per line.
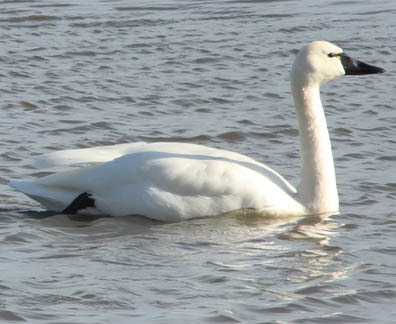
x=175, y=181
x=169, y=181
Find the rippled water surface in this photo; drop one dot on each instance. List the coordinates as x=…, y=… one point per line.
x=85, y=73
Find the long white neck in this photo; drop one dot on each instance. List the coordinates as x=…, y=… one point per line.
x=317, y=190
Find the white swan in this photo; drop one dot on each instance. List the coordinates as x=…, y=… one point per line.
x=176, y=181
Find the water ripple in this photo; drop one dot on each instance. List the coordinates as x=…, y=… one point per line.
x=216, y=73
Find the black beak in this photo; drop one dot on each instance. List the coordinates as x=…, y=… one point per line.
x=355, y=67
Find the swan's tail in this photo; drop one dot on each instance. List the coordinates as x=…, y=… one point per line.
x=53, y=199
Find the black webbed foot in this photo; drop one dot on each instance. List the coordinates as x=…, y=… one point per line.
x=82, y=201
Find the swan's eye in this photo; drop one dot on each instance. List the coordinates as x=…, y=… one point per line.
x=335, y=55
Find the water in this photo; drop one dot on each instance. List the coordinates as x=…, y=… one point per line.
x=79, y=74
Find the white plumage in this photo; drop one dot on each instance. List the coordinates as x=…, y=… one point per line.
x=176, y=181
x=165, y=181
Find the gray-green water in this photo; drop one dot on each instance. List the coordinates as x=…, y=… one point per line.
x=78, y=74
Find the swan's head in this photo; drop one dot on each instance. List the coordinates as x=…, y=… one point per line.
x=322, y=61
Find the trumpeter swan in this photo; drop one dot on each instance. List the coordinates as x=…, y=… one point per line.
x=176, y=181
